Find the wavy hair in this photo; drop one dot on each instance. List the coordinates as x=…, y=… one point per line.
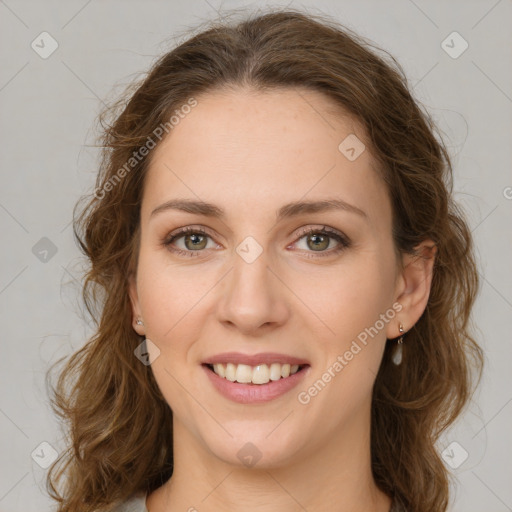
x=114, y=411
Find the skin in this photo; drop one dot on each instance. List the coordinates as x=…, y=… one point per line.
x=250, y=153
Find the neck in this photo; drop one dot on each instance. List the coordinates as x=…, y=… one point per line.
x=333, y=475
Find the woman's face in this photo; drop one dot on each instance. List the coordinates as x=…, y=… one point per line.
x=253, y=283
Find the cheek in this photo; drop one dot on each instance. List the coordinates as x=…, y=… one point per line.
x=170, y=298
x=173, y=311
x=349, y=297
x=351, y=305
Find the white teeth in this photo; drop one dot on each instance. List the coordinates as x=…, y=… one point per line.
x=243, y=373
x=230, y=372
x=259, y=374
x=275, y=371
x=220, y=369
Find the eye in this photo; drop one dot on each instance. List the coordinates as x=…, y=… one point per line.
x=195, y=240
x=317, y=240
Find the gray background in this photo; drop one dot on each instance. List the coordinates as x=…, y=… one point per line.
x=49, y=108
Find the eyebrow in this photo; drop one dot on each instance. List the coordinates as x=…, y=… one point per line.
x=287, y=211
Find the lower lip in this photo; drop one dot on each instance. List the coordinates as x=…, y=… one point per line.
x=254, y=393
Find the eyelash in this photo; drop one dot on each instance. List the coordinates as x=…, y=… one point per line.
x=343, y=241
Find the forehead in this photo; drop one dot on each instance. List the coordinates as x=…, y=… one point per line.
x=264, y=149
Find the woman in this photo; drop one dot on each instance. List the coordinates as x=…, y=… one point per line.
x=284, y=285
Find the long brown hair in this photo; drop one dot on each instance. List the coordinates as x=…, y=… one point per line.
x=115, y=412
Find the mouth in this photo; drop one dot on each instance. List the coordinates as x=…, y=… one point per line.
x=255, y=383
x=255, y=378
x=257, y=375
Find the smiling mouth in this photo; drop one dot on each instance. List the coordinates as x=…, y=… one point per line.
x=258, y=375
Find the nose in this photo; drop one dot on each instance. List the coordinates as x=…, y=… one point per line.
x=252, y=297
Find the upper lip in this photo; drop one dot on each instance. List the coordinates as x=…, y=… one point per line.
x=254, y=359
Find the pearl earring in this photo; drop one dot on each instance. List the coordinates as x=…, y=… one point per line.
x=397, y=354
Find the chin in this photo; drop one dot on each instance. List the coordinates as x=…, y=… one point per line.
x=255, y=449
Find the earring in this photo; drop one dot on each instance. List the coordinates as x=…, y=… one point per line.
x=140, y=322
x=397, y=354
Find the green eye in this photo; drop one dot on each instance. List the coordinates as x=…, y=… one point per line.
x=318, y=241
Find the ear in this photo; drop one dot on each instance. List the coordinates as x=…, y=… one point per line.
x=413, y=286
x=134, y=299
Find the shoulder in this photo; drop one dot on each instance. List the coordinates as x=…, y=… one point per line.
x=136, y=503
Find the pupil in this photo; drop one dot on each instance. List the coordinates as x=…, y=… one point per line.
x=315, y=243
x=196, y=239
